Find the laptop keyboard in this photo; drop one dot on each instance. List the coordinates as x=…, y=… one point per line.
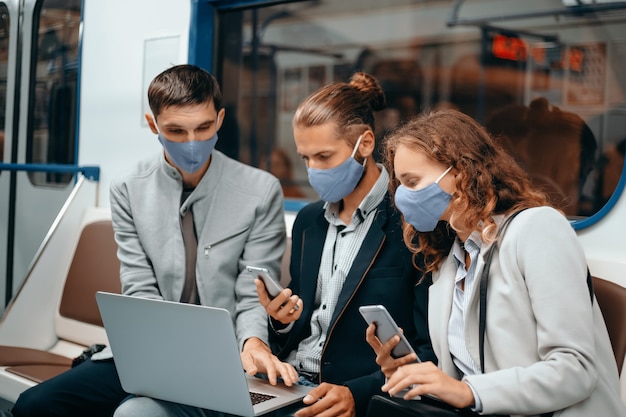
x=257, y=397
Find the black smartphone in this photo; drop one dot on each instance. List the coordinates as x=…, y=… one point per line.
x=386, y=328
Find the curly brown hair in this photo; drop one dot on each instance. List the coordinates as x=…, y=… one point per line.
x=488, y=181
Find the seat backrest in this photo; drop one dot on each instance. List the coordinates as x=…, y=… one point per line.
x=95, y=267
x=611, y=298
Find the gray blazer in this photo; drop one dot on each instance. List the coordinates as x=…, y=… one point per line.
x=239, y=221
x=546, y=346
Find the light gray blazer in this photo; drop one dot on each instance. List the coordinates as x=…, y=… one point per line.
x=239, y=220
x=546, y=347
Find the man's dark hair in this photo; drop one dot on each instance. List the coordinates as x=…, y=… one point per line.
x=183, y=85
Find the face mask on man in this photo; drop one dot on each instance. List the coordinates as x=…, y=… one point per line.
x=191, y=155
x=423, y=208
x=333, y=184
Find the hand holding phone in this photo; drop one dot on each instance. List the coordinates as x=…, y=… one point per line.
x=272, y=287
x=386, y=328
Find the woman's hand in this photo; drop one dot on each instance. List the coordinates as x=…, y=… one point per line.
x=426, y=378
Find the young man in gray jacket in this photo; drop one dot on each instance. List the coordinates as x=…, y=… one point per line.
x=187, y=221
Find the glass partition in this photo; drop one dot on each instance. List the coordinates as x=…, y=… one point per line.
x=545, y=78
x=52, y=113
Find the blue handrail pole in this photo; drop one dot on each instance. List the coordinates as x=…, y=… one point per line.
x=90, y=172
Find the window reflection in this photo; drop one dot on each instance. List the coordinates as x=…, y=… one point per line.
x=565, y=68
x=611, y=165
x=556, y=147
x=52, y=133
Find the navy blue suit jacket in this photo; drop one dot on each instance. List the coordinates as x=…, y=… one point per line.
x=382, y=273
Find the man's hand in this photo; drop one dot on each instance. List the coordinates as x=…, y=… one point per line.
x=387, y=363
x=328, y=400
x=257, y=357
x=284, y=308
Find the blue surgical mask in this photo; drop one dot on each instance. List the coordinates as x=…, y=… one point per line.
x=333, y=184
x=423, y=208
x=191, y=155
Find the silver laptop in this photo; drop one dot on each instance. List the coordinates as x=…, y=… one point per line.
x=186, y=354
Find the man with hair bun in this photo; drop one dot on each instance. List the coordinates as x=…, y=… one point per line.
x=347, y=251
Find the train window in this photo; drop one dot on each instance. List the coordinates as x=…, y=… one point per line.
x=4, y=62
x=546, y=82
x=51, y=136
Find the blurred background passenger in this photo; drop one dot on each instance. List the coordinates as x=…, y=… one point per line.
x=612, y=160
x=557, y=148
x=281, y=167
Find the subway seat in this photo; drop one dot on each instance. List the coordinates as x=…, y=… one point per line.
x=76, y=323
x=611, y=298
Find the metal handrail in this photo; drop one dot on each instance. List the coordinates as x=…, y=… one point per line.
x=91, y=172
x=578, y=10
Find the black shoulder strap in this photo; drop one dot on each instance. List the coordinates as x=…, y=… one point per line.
x=484, y=281
x=590, y=284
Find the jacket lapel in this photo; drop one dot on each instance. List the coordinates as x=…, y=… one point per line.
x=364, y=259
x=313, y=238
x=471, y=330
x=439, y=309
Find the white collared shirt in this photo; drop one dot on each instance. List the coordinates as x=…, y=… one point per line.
x=464, y=283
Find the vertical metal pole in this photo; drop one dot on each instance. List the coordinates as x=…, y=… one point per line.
x=254, y=112
x=480, y=96
x=14, y=146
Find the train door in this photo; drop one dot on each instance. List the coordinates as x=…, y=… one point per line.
x=39, y=49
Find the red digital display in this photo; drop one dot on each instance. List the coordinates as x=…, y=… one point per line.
x=576, y=59
x=506, y=47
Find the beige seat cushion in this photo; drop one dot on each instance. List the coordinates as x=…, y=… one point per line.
x=95, y=267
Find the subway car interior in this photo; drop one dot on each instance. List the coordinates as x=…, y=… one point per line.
x=546, y=77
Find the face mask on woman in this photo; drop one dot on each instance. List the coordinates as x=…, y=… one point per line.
x=191, y=155
x=423, y=208
x=333, y=184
